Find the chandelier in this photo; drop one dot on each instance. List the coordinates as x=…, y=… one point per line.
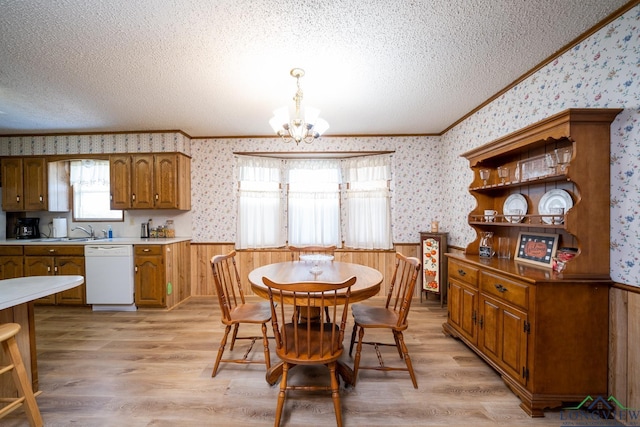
x=304, y=125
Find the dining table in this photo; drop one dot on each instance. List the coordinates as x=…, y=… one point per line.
x=368, y=281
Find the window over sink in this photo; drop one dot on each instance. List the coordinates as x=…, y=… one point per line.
x=89, y=181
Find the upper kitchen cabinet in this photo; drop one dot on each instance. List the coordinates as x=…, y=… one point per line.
x=24, y=184
x=150, y=181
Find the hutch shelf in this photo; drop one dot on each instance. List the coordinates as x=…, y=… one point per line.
x=545, y=333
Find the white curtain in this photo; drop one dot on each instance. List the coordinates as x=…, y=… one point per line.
x=314, y=202
x=259, y=203
x=89, y=172
x=89, y=180
x=368, y=202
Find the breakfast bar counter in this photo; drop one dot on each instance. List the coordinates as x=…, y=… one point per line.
x=16, y=306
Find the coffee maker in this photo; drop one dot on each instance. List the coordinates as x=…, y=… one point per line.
x=27, y=228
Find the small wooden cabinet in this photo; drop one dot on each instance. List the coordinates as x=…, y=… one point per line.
x=545, y=332
x=57, y=260
x=24, y=184
x=162, y=274
x=150, y=181
x=11, y=262
x=149, y=276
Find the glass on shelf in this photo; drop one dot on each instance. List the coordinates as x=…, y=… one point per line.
x=551, y=162
x=564, y=157
x=484, y=175
x=503, y=173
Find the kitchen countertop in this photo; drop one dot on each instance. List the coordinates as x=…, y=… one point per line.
x=18, y=291
x=83, y=241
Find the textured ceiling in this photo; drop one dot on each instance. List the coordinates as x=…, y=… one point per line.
x=220, y=67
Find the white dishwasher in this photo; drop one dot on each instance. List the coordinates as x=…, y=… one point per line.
x=109, y=277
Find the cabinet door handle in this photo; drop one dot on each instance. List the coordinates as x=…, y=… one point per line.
x=48, y=269
x=55, y=269
x=41, y=199
x=111, y=197
x=500, y=288
x=462, y=272
x=135, y=269
x=18, y=199
x=481, y=322
x=157, y=196
x=133, y=197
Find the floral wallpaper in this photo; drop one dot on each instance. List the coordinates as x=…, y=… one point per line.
x=600, y=72
x=430, y=178
x=95, y=144
x=417, y=192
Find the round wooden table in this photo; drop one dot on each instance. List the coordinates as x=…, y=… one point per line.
x=368, y=282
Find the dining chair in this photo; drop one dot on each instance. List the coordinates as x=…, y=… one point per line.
x=236, y=311
x=310, y=250
x=392, y=316
x=315, y=339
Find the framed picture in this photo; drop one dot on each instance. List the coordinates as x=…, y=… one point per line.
x=536, y=248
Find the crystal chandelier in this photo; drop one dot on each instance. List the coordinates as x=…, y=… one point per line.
x=301, y=127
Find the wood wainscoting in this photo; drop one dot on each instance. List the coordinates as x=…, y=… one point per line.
x=247, y=260
x=624, y=357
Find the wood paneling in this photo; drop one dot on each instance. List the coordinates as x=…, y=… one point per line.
x=624, y=358
x=247, y=260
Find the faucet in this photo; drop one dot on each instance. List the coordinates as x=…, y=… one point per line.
x=89, y=232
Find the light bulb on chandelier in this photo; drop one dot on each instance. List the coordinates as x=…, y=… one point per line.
x=298, y=128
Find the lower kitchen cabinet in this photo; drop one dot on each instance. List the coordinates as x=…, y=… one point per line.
x=11, y=262
x=162, y=274
x=57, y=260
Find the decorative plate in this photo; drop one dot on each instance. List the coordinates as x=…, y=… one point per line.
x=554, y=199
x=512, y=204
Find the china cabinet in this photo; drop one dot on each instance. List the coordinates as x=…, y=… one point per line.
x=24, y=184
x=434, y=267
x=150, y=181
x=545, y=332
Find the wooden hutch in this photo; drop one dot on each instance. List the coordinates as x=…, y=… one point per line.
x=546, y=333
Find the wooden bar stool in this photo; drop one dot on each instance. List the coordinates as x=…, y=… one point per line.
x=8, y=333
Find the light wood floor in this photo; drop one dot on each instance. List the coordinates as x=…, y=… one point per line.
x=153, y=368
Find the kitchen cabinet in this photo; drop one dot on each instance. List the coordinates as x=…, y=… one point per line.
x=24, y=184
x=150, y=181
x=11, y=262
x=149, y=278
x=162, y=274
x=57, y=260
x=544, y=331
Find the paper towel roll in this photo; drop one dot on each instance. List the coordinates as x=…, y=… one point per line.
x=59, y=227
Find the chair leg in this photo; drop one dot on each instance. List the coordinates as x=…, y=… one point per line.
x=223, y=343
x=281, y=394
x=235, y=334
x=22, y=383
x=407, y=359
x=353, y=338
x=398, y=346
x=356, y=362
x=265, y=340
x=335, y=393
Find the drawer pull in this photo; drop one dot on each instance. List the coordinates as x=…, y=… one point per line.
x=462, y=272
x=500, y=288
x=146, y=250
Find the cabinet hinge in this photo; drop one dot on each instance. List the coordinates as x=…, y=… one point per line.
x=474, y=317
x=525, y=372
x=527, y=327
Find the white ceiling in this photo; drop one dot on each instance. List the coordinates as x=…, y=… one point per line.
x=220, y=67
